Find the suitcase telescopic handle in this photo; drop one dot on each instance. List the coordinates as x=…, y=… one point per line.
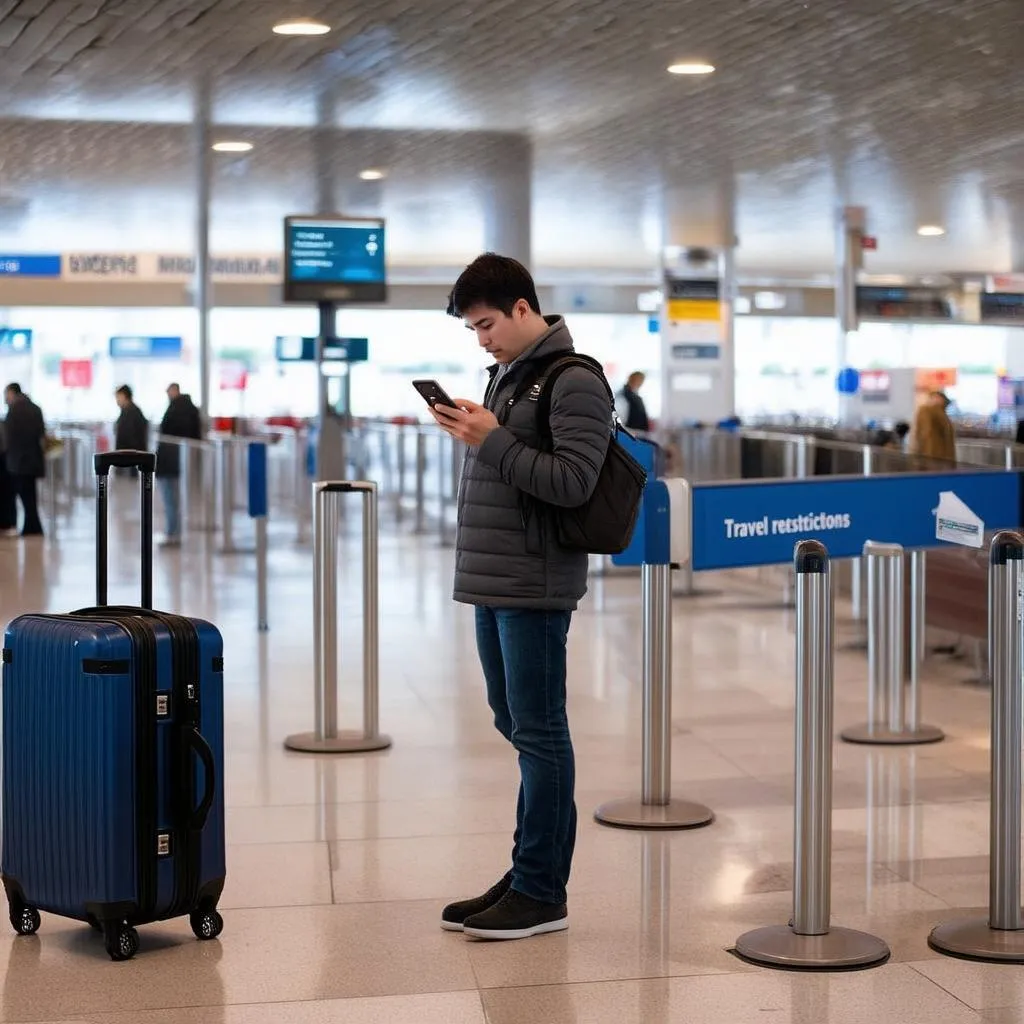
x=202, y=749
x=124, y=458
x=145, y=462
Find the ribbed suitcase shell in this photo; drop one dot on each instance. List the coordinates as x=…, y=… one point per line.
x=71, y=784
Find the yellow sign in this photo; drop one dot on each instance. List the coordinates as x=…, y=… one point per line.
x=694, y=309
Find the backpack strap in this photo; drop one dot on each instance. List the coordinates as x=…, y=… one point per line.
x=547, y=386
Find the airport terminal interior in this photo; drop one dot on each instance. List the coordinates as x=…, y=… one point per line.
x=792, y=236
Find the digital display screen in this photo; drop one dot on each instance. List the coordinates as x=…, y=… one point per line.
x=885, y=303
x=335, y=259
x=1002, y=306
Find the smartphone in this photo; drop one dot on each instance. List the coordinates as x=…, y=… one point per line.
x=432, y=392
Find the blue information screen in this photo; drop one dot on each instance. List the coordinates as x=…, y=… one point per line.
x=139, y=347
x=750, y=523
x=334, y=259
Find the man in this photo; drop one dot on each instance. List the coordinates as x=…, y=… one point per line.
x=24, y=436
x=132, y=428
x=523, y=584
x=630, y=406
x=933, y=434
x=8, y=503
x=181, y=420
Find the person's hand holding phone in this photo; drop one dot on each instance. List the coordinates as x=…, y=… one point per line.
x=468, y=422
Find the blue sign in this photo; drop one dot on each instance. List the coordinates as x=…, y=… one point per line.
x=39, y=265
x=15, y=341
x=257, y=479
x=746, y=523
x=295, y=349
x=134, y=347
x=696, y=351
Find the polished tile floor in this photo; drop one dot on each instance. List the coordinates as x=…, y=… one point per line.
x=338, y=867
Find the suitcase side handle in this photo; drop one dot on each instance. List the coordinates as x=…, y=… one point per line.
x=197, y=821
x=145, y=462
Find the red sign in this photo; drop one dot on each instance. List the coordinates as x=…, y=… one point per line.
x=233, y=376
x=76, y=373
x=868, y=242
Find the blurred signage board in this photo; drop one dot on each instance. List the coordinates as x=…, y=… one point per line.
x=233, y=376
x=875, y=385
x=169, y=268
x=31, y=265
x=902, y=303
x=139, y=347
x=1003, y=307
x=295, y=349
x=934, y=379
x=76, y=373
x=696, y=352
x=1013, y=283
x=15, y=341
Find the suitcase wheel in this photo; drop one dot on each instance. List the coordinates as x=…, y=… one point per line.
x=25, y=920
x=122, y=941
x=206, y=924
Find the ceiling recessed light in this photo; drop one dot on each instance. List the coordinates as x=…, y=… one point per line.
x=372, y=174
x=931, y=230
x=691, y=68
x=232, y=147
x=301, y=27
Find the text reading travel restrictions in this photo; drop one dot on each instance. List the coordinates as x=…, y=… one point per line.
x=814, y=523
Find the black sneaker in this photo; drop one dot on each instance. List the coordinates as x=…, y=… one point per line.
x=516, y=916
x=455, y=914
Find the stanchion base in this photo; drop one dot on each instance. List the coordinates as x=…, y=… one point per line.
x=974, y=939
x=841, y=948
x=344, y=743
x=634, y=813
x=853, y=645
x=682, y=595
x=882, y=736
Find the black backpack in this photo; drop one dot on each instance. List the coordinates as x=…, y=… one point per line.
x=604, y=524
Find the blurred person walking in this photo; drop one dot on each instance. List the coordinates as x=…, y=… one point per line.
x=24, y=454
x=630, y=406
x=933, y=436
x=182, y=420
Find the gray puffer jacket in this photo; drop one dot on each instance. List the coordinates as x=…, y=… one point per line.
x=507, y=552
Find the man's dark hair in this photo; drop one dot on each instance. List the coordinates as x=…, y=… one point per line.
x=495, y=281
x=125, y=390
x=15, y=389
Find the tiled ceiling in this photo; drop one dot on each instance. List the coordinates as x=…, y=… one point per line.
x=912, y=108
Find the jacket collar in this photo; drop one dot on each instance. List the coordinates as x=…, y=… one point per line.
x=555, y=339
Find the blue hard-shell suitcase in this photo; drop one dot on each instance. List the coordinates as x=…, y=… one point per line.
x=113, y=753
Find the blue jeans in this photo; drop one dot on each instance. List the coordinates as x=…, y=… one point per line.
x=170, y=492
x=522, y=652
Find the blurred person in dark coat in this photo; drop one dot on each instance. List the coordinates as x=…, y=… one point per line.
x=24, y=437
x=132, y=428
x=182, y=419
x=8, y=505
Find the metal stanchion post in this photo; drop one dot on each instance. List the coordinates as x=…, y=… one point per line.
x=656, y=809
x=51, y=495
x=421, y=469
x=888, y=719
x=258, y=509
x=400, y=459
x=326, y=738
x=809, y=941
x=442, y=511
x=1000, y=936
